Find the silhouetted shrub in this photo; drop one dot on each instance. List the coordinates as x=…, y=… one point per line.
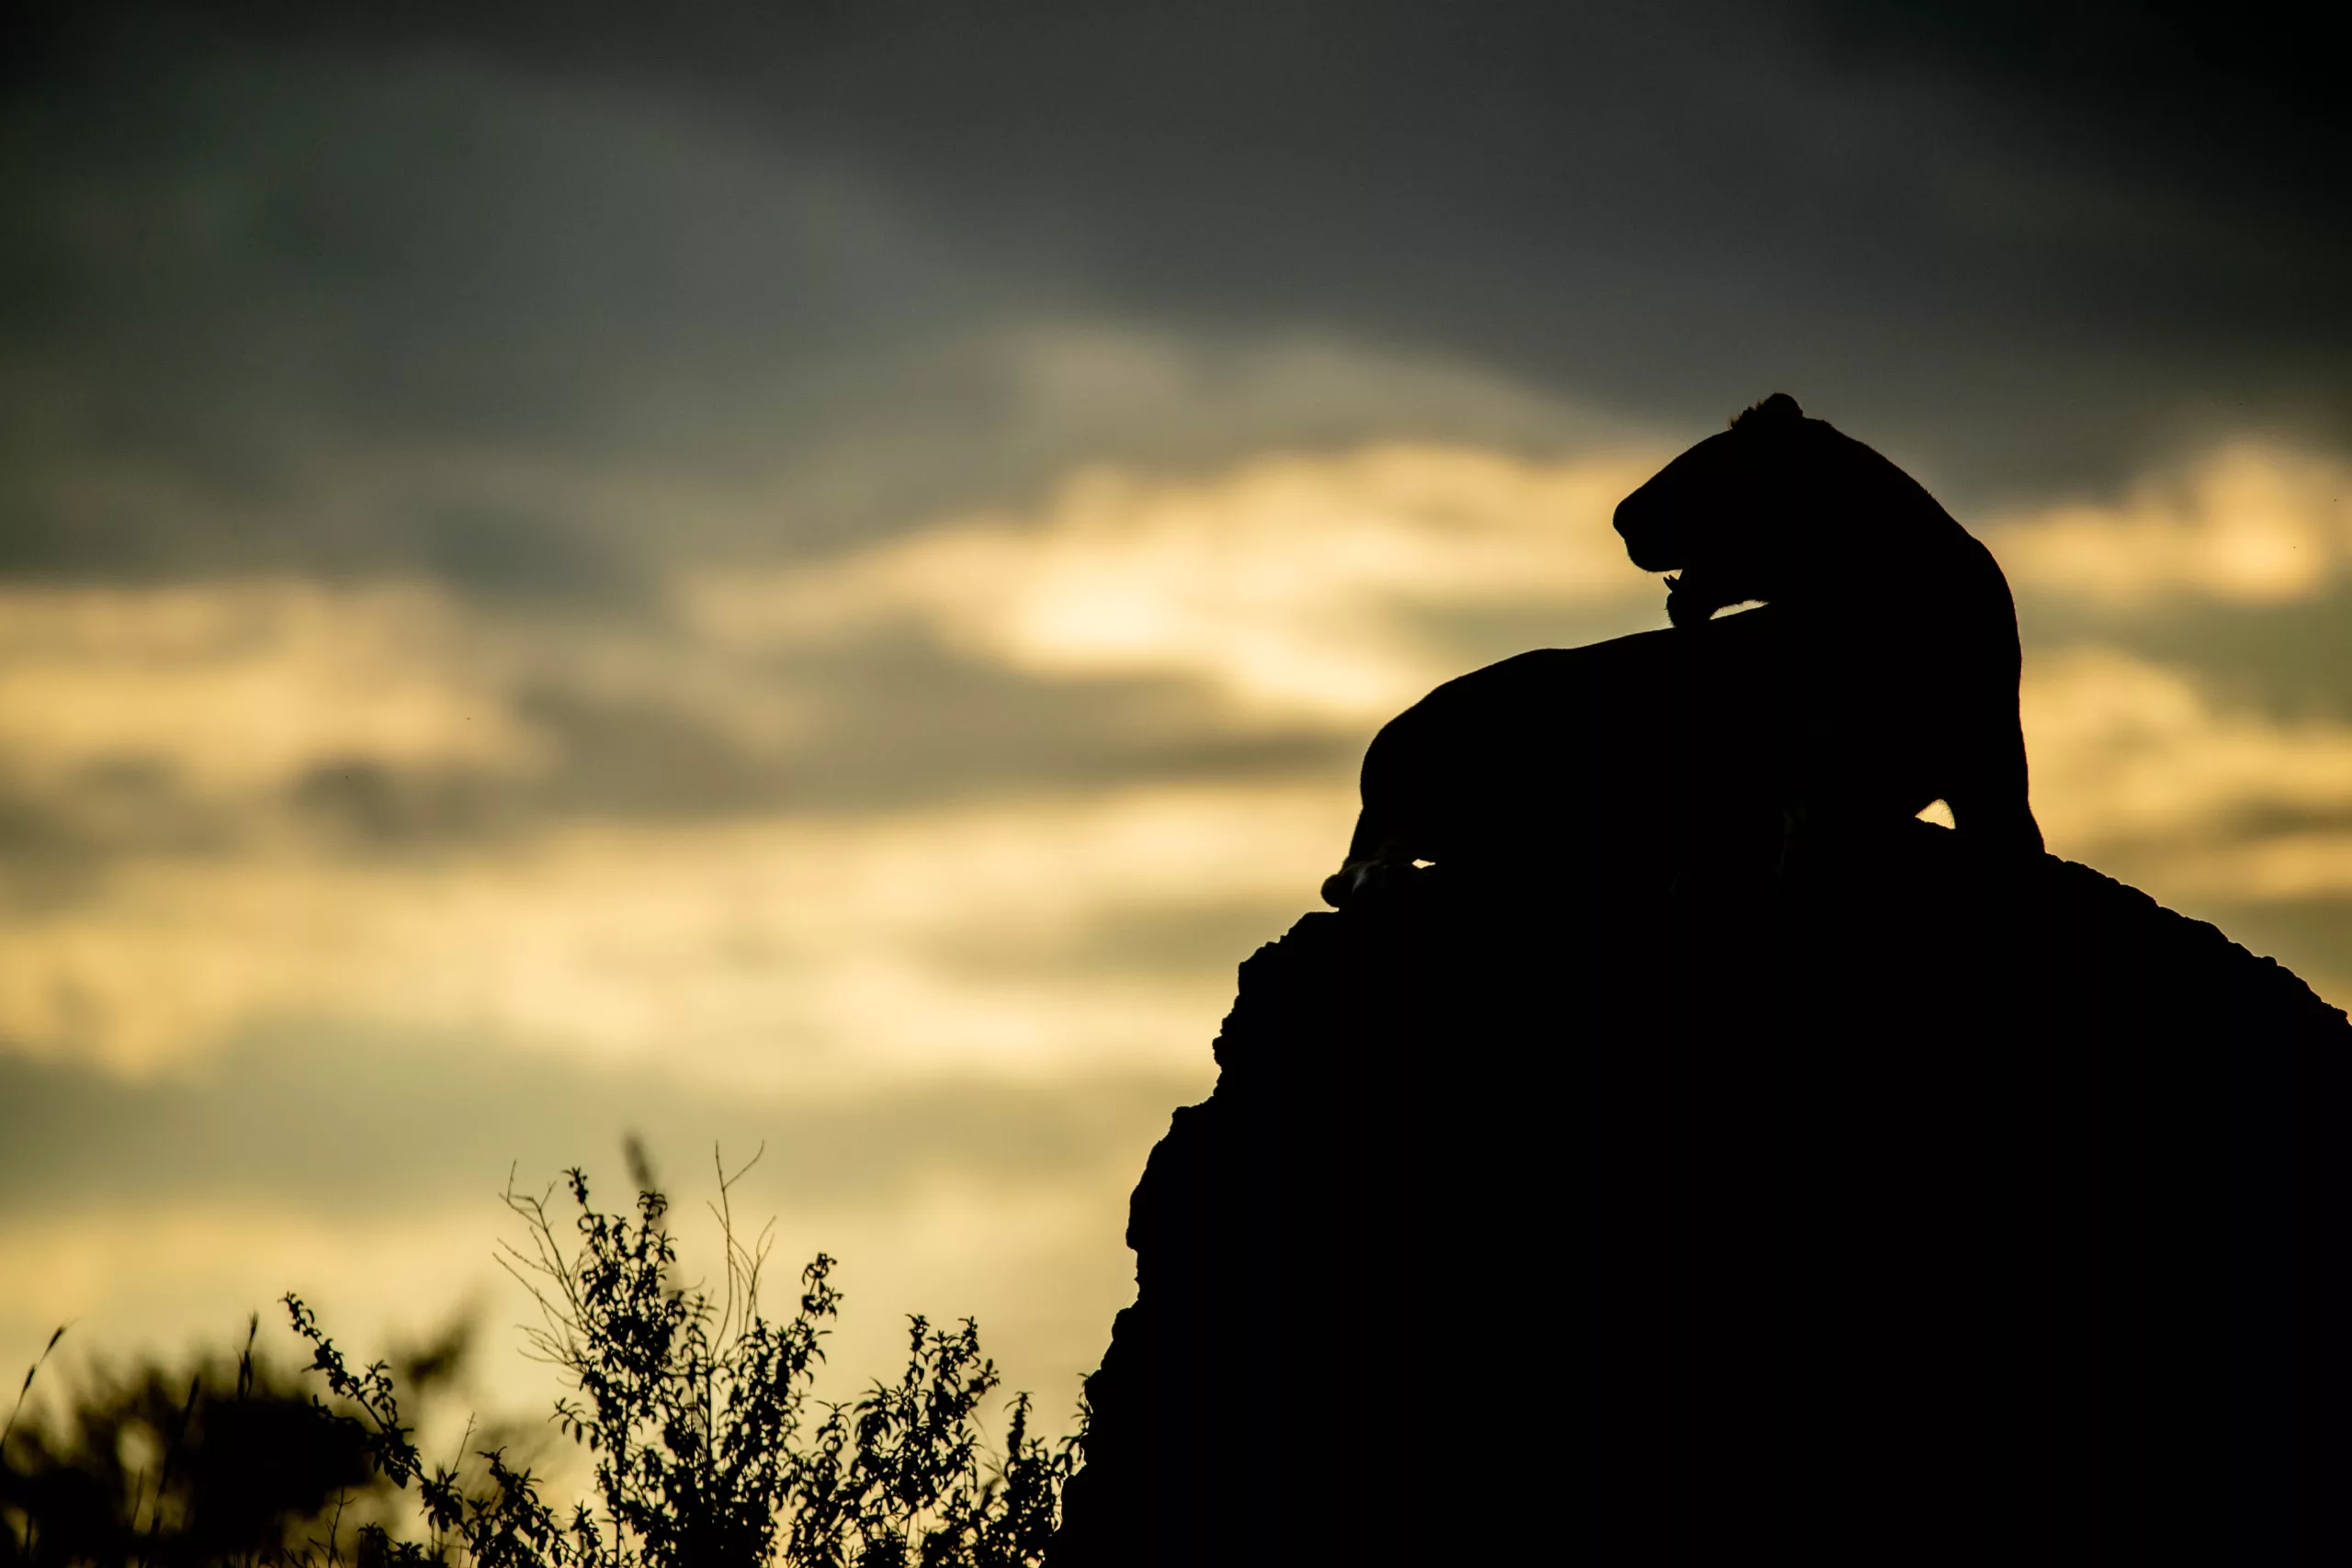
x=693, y=1405
x=232, y=1461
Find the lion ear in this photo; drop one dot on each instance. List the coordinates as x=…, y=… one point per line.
x=1778, y=409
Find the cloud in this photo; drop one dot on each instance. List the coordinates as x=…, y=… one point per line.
x=2199, y=795
x=824, y=950
x=537, y=336
x=826, y=819
x=2132, y=756
x=2251, y=523
x=242, y=688
x=695, y=862
x=275, y=1118
x=2283, y=868
x=1292, y=585
x=709, y=256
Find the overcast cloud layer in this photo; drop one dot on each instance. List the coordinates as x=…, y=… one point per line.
x=819, y=575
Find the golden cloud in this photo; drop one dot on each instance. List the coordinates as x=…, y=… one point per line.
x=1291, y=584
x=765, y=946
x=2125, y=752
x=774, y=950
x=2282, y=867
x=2250, y=523
x=243, y=686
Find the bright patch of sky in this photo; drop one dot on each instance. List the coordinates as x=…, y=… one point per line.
x=533, y=605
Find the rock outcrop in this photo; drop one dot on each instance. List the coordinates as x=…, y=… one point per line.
x=1912, y=1205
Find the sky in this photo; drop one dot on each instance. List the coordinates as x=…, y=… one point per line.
x=811, y=578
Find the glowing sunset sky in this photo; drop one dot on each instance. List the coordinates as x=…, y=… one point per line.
x=819, y=578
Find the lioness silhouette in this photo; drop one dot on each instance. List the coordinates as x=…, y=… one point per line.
x=1903, y=636
x=1880, y=675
